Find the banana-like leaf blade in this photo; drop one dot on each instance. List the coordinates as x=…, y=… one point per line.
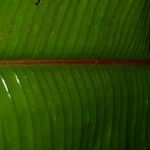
x=116, y=29
x=75, y=108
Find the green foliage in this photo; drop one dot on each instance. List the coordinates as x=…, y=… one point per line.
x=74, y=108
x=115, y=29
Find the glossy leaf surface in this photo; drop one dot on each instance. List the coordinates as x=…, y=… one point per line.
x=74, y=108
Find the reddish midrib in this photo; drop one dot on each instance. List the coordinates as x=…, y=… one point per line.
x=73, y=62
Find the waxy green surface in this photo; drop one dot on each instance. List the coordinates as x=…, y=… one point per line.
x=75, y=108
x=68, y=107
x=74, y=29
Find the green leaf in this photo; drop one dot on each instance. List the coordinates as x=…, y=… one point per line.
x=116, y=29
x=74, y=107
